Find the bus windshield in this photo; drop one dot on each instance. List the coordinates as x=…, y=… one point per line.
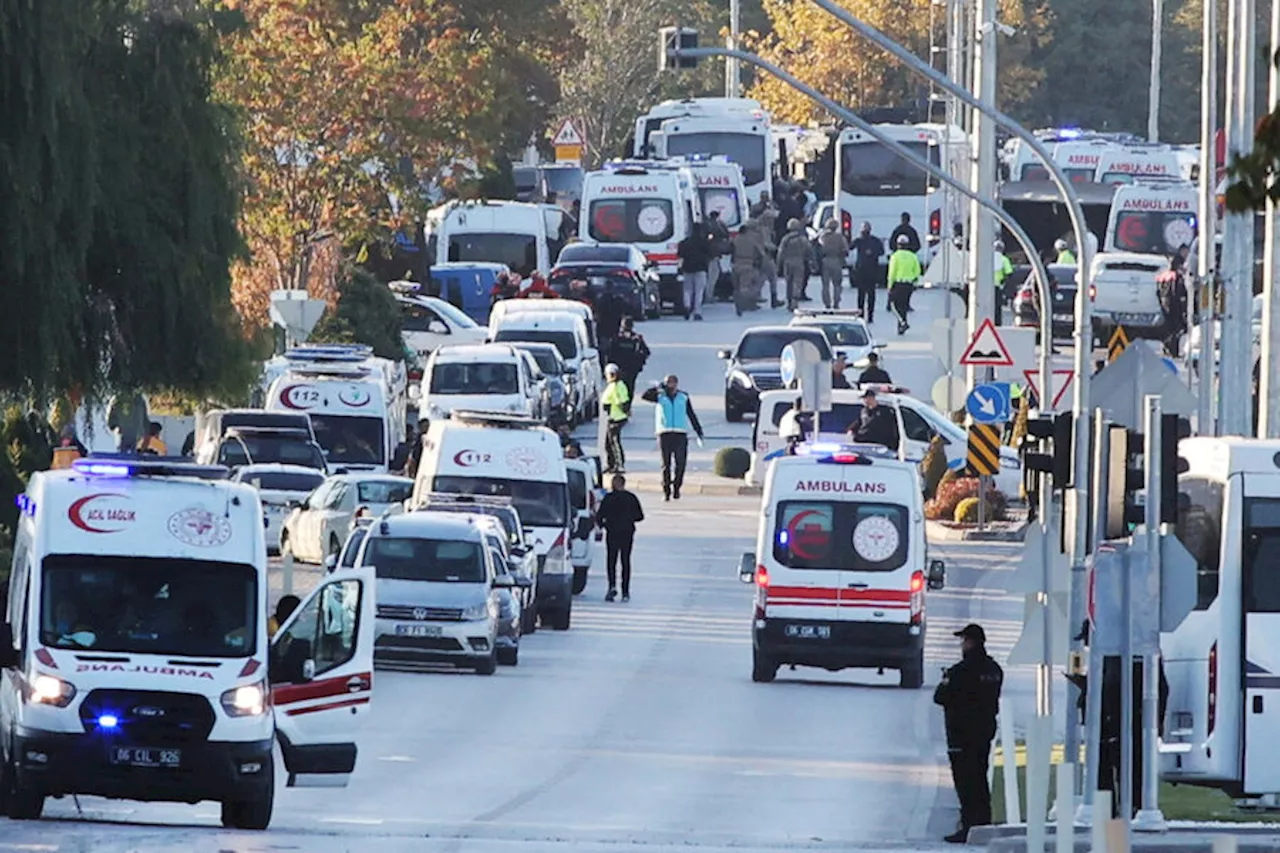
x=745, y=149
x=870, y=169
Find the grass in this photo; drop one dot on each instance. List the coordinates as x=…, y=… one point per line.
x=1178, y=802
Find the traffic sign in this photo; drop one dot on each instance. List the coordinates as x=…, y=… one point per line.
x=568, y=135
x=947, y=392
x=984, y=449
x=1061, y=379
x=986, y=349
x=787, y=365
x=568, y=153
x=989, y=404
x=1118, y=344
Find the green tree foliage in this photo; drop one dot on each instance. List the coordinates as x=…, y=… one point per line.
x=366, y=313
x=117, y=201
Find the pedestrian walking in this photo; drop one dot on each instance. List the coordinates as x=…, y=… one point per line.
x=969, y=694
x=609, y=308
x=834, y=250
x=1004, y=269
x=904, y=272
x=695, y=257
x=630, y=352
x=748, y=258
x=673, y=417
x=876, y=425
x=874, y=374
x=1172, y=288
x=615, y=403
x=793, y=259
x=868, y=250
x=619, y=513
x=906, y=229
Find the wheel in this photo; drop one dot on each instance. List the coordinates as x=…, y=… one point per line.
x=911, y=676
x=252, y=814
x=488, y=666
x=528, y=621
x=15, y=802
x=763, y=670
x=558, y=621
x=731, y=414
x=509, y=656
x=579, y=579
x=335, y=547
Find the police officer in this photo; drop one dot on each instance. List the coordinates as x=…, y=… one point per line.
x=868, y=250
x=1065, y=255
x=834, y=248
x=904, y=272
x=969, y=694
x=876, y=424
x=874, y=374
x=793, y=259
x=748, y=256
x=673, y=417
x=629, y=351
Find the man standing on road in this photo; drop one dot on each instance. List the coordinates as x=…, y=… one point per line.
x=616, y=404
x=835, y=250
x=748, y=257
x=876, y=424
x=969, y=694
x=618, y=514
x=630, y=353
x=695, y=257
x=874, y=374
x=1004, y=269
x=904, y=272
x=672, y=419
x=905, y=229
x=793, y=260
x=868, y=250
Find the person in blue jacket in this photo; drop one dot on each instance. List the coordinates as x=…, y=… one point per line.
x=673, y=417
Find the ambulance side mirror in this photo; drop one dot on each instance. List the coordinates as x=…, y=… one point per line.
x=937, y=574
x=747, y=568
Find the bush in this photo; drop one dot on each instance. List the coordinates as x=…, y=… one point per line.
x=732, y=462
x=949, y=476
x=967, y=511
x=943, y=506
x=933, y=468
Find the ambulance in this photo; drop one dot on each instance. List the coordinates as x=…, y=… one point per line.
x=1128, y=165
x=1152, y=218
x=1079, y=159
x=649, y=204
x=720, y=188
x=841, y=564
x=135, y=651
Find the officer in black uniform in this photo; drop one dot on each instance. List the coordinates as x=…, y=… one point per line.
x=876, y=425
x=969, y=694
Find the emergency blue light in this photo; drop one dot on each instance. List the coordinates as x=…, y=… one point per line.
x=101, y=469
x=108, y=721
x=26, y=504
x=1069, y=133
x=783, y=536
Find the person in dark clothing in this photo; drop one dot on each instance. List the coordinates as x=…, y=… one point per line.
x=876, y=425
x=673, y=417
x=868, y=250
x=695, y=258
x=629, y=351
x=415, y=455
x=905, y=228
x=874, y=374
x=838, y=367
x=609, y=309
x=969, y=694
x=618, y=514
x=1172, y=288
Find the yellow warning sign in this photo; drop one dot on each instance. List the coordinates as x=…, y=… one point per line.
x=984, y=448
x=1119, y=343
x=568, y=153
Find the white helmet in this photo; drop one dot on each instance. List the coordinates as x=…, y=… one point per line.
x=903, y=240
x=998, y=246
x=1060, y=244
x=612, y=370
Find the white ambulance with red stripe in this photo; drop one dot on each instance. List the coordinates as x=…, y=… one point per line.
x=841, y=564
x=650, y=204
x=136, y=661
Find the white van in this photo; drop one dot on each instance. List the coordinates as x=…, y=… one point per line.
x=568, y=333
x=649, y=204
x=135, y=651
x=1152, y=219
x=1119, y=166
x=720, y=188
x=1124, y=291
x=503, y=232
x=841, y=564
x=488, y=377
x=482, y=453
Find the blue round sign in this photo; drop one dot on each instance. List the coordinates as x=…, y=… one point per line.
x=787, y=365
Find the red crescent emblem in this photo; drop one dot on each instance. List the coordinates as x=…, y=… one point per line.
x=798, y=538
x=76, y=510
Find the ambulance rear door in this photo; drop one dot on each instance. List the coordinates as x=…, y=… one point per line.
x=1261, y=614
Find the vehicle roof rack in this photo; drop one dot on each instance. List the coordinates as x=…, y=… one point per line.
x=494, y=419
x=330, y=352
x=132, y=465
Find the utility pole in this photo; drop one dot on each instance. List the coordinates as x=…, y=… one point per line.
x=1208, y=219
x=1153, y=100
x=981, y=230
x=1269, y=409
x=732, y=68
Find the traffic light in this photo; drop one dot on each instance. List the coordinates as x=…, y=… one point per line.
x=1039, y=430
x=671, y=39
x=1125, y=478
x=1172, y=429
x=1063, y=433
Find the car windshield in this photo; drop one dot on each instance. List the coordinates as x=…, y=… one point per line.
x=769, y=345
x=564, y=179
x=548, y=359
x=845, y=334
x=1154, y=233
x=594, y=254
x=418, y=318
x=474, y=378
x=834, y=535
x=517, y=251
x=745, y=149
x=248, y=448
x=444, y=561
x=539, y=502
x=283, y=481
x=146, y=605
x=384, y=491
x=565, y=342
x=838, y=420
x=454, y=315
x=350, y=440
x=631, y=220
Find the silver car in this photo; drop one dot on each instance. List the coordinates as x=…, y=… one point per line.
x=281, y=488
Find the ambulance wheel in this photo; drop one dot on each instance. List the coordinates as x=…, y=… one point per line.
x=509, y=656
x=18, y=803
x=763, y=670
x=254, y=813
x=911, y=676
x=579, y=579
x=487, y=666
x=559, y=621
x=731, y=414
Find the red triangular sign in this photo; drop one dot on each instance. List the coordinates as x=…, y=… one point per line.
x=1061, y=379
x=986, y=349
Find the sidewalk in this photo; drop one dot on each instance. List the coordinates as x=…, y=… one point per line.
x=1179, y=839
x=695, y=483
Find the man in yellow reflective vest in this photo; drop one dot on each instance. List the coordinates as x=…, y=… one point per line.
x=615, y=401
x=904, y=272
x=1004, y=269
x=1065, y=255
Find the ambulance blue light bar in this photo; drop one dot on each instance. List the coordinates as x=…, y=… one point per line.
x=129, y=466
x=835, y=453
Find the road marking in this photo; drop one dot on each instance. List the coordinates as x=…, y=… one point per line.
x=355, y=821
x=403, y=758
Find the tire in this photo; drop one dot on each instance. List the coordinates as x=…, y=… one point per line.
x=252, y=814
x=579, y=579
x=528, y=621
x=509, y=656
x=731, y=414
x=763, y=670
x=911, y=676
x=487, y=666
x=559, y=621
x=17, y=803
x=335, y=547
x=286, y=548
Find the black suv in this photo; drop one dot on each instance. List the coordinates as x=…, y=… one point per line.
x=754, y=365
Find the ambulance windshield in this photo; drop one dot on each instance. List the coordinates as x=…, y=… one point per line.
x=147, y=605
x=1154, y=232
x=541, y=503
x=350, y=440
x=834, y=535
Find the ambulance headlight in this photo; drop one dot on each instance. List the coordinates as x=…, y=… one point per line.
x=50, y=690
x=741, y=377
x=249, y=700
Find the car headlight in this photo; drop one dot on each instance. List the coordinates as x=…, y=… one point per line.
x=249, y=700
x=50, y=690
x=741, y=377
x=483, y=610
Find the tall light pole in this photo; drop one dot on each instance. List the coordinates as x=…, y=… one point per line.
x=732, y=68
x=981, y=233
x=1208, y=219
x=1153, y=99
x=1268, y=408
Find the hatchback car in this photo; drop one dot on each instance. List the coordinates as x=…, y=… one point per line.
x=280, y=488
x=317, y=527
x=632, y=276
x=754, y=365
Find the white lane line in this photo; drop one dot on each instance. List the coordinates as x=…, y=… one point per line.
x=354, y=821
x=402, y=758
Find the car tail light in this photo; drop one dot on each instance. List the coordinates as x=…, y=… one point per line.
x=846, y=224
x=917, y=598
x=1093, y=292
x=1213, y=689
x=935, y=222
x=762, y=591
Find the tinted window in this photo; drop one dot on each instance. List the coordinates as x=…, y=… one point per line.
x=844, y=334
x=517, y=251
x=539, y=503
x=1035, y=172
x=870, y=169
x=865, y=537
x=745, y=149
x=631, y=220
x=426, y=560
x=350, y=440
x=244, y=449
x=769, y=345
x=1261, y=570
x=482, y=378
x=284, y=481
x=723, y=200
x=417, y=318
x=577, y=488
x=1154, y=233
x=145, y=605
x=352, y=547
x=1079, y=176
x=566, y=342
x=916, y=427
x=548, y=360
x=384, y=491
x=563, y=180
x=328, y=622
x=1199, y=528
x=586, y=254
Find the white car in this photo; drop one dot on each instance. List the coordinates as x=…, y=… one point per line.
x=1123, y=288
x=487, y=378
x=320, y=525
x=280, y=487
x=845, y=330
x=428, y=323
x=568, y=332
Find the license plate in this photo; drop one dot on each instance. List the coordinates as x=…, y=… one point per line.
x=1063, y=318
x=809, y=632
x=145, y=756
x=1134, y=318
x=418, y=630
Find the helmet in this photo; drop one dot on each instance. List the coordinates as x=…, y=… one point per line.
x=612, y=370
x=998, y=246
x=903, y=240
x=1060, y=244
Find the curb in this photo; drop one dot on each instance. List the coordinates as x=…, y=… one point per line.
x=998, y=832
x=937, y=532
x=728, y=488
x=1174, y=841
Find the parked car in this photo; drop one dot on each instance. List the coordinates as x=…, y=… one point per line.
x=280, y=488
x=427, y=323
x=560, y=399
x=754, y=365
x=322, y=522
x=1063, y=287
x=488, y=377
x=631, y=275
x=510, y=601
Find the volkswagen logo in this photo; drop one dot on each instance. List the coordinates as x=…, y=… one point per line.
x=420, y=613
x=148, y=712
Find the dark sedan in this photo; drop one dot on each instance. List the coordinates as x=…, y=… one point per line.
x=620, y=266
x=754, y=365
x=1062, y=286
